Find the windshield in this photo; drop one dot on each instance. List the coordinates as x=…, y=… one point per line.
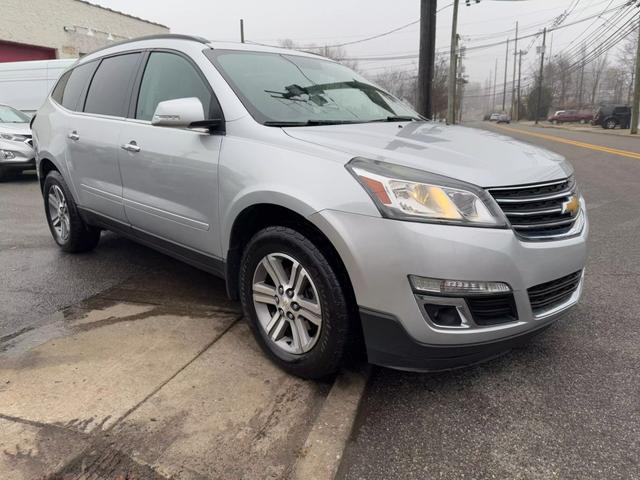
x=295, y=90
x=11, y=115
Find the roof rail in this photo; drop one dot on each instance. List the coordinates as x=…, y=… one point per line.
x=159, y=36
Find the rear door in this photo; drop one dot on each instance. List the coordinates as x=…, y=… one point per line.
x=170, y=177
x=92, y=136
x=623, y=115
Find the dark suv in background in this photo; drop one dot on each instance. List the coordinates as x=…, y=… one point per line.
x=612, y=116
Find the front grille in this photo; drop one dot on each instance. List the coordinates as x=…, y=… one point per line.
x=556, y=292
x=492, y=309
x=538, y=211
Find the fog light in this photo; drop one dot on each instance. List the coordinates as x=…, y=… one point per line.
x=444, y=315
x=439, y=286
x=7, y=155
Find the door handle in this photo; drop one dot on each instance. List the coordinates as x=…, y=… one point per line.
x=131, y=147
x=74, y=136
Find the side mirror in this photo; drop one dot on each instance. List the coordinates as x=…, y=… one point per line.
x=183, y=113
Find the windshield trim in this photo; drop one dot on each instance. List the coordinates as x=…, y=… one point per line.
x=213, y=53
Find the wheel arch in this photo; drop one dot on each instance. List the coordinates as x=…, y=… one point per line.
x=44, y=167
x=254, y=218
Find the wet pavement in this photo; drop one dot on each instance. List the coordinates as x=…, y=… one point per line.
x=124, y=363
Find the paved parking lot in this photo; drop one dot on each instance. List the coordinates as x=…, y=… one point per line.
x=123, y=361
x=126, y=360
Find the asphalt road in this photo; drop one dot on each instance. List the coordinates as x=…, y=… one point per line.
x=37, y=279
x=568, y=405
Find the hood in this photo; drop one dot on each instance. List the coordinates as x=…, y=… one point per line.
x=16, y=128
x=481, y=157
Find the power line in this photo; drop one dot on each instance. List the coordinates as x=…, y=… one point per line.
x=480, y=47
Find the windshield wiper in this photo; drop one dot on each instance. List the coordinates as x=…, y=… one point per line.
x=398, y=118
x=310, y=123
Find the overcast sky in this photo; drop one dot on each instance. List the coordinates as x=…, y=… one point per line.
x=336, y=21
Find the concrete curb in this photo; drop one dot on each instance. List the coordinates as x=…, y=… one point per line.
x=322, y=451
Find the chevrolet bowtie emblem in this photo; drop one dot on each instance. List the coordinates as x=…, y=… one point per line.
x=571, y=206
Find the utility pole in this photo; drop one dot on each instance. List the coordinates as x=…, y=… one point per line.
x=495, y=80
x=427, y=56
x=513, y=83
x=635, y=110
x=544, y=44
x=506, y=67
x=242, y=30
x=451, y=94
x=581, y=78
x=519, y=77
x=460, y=84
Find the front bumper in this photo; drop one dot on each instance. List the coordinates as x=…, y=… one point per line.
x=380, y=253
x=22, y=156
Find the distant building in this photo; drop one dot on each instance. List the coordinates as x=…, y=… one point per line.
x=48, y=29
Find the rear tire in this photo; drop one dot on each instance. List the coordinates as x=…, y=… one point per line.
x=68, y=229
x=307, y=339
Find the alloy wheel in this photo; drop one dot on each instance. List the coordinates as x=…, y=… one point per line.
x=59, y=213
x=286, y=302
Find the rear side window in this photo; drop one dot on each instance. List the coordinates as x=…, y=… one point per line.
x=622, y=110
x=168, y=76
x=69, y=88
x=111, y=86
x=58, y=90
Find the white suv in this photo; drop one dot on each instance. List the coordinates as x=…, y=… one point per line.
x=333, y=210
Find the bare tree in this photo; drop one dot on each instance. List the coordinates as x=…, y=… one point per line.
x=627, y=59
x=597, y=69
x=338, y=54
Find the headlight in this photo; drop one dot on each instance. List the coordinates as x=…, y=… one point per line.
x=13, y=138
x=405, y=193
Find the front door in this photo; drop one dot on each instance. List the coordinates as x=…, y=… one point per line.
x=170, y=175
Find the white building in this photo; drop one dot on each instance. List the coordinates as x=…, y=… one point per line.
x=48, y=29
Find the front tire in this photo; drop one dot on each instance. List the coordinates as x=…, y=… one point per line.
x=294, y=302
x=610, y=124
x=67, y=227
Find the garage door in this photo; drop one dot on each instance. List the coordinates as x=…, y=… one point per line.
x=17, y=52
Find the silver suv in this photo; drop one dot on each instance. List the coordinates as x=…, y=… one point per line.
x=335, y=213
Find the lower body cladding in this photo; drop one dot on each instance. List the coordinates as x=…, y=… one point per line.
x=407, y=328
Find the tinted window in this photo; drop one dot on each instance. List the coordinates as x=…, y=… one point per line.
x=111, y=86
x=59, y=88
x=167, y=77
x=622, y=110
x=70, y=86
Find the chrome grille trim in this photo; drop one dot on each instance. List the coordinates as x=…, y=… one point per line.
x=533, y=199
x=535, y=211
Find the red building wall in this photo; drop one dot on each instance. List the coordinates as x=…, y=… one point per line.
x=17, y=52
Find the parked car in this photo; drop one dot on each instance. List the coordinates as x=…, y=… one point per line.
x=16, y=150
x=568, y=116
x=332, y=209
x=25, y=85
x=612, y=116
x=503, y=118
x=494, y=117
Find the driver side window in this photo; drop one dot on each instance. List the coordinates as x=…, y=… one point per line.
x=168, y=76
